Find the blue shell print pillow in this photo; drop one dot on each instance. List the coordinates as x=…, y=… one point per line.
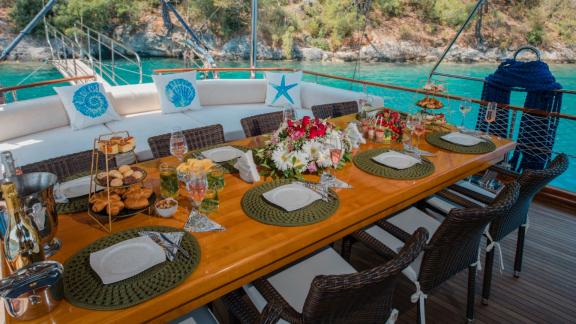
x=178, y=92
x=87, y=105
x=283, y=89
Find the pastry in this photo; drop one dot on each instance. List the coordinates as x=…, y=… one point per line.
x=115, y=207
x=116, y=182
x=111, y=148
x=124, y=168
x=102, y=145
x=115, y=140
x=116, y=174
x=102, y=176
x=137, y=175
x=136, y=203
x=128, y=173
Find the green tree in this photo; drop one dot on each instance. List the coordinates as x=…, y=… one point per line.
x=23, y=11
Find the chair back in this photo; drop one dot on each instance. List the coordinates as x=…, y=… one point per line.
x=531, y=182
x=335, y=109
x=455, y=244
x=196, y=138
x=69, y=165
x=364, y=297
x=262, y=124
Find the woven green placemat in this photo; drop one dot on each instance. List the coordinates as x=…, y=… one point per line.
x=228, y=166
x=83, y=287
x=435, y=139
x=364, y=162
x=258, y=208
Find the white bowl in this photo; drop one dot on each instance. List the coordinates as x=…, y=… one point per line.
x=166, y=212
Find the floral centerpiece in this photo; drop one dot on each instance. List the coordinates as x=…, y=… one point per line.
x=301, y=146
x=390, y=124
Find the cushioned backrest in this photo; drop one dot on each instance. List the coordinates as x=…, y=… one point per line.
x=31, y=116
x=315, y=94
x=134, y=98
x=229, y=92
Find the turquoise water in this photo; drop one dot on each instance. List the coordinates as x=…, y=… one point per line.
x=411, y=75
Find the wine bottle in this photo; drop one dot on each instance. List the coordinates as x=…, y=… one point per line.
x=8, y=164
x=21, y=241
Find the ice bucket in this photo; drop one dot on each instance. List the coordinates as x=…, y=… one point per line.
x=36, y=192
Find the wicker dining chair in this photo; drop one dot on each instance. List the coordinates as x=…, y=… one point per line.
x=327, y=294
x=262, y=124
x=453, y=247
x=335, y=109
x=465, y=194
x=68, y=165
x=196, y=138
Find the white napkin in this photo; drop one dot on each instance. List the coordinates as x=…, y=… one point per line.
x=248, y=171
x=396, y=160
x=354, y=135
x=462, y=139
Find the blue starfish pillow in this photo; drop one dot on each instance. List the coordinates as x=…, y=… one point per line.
x=178, y=92
x=283, y=89
x=86, y=105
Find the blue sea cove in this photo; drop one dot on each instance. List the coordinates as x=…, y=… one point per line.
x=408, y=74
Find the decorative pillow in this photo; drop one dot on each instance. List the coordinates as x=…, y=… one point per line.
x=178, y=92
x=86, y=105
x=283, y=89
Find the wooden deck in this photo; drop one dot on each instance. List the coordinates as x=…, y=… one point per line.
x=544, y=293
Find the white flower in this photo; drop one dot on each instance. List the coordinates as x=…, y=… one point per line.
x=312, y=149
x=324, y=160
x=299, y=160
x=282, y=158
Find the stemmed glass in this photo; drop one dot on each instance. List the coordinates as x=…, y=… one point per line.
x=178, y=146
x=196, y=186
x=465, y=108
x=490, y=116
x=335, y=148
x=287, y=113
x=411, y=121
x=419, y=130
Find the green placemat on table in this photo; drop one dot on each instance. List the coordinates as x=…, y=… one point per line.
x=364, y=162
x=434, y=138
x=228, y=166
x=83, y=287
x=74, y=205
x=258, y=208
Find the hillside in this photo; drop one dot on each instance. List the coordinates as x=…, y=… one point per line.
x=392, y=30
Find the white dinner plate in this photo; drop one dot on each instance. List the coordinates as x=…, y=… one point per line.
x=77, y=187
x=292, y=196
x=396, y=160
x=461, y=139
x=222, y=154
x=126, y=259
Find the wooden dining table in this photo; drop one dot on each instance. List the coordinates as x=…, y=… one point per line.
x=247, y=249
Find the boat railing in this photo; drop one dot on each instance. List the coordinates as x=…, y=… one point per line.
x=13, y=89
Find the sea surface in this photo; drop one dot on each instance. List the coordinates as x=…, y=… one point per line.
x=402, y=74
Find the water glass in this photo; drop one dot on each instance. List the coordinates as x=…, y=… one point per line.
x=210, y=202
x=168, y=181
x=178, y=145
x=288, y=113
x=216, y=177
x=465, y=108
x=490, y=115
x=196, y=186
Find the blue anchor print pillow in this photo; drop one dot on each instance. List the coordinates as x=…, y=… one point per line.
x=178, y=92
x=87, y=105
x=283, y=89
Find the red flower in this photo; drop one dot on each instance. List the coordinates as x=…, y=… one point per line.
x=290, y=123
x=313, y=132
x=306, y=121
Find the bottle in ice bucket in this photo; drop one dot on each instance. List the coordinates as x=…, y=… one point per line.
x=21, y=242
x=168, y=181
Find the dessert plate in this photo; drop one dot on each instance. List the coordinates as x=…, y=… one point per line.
x=292, y=196
x=461, y=139
x=396, y=160
x=126, y=259
x=223, y=154
x=77, y=187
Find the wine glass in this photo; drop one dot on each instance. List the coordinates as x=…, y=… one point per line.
x=490, y=116
x=287, y=113
x=465, y=108
x=335, y=151
x=411, y=121
x=196, y=186
x=419, y=130
x=178, y=146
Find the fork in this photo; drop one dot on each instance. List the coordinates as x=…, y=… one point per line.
x=158, y=241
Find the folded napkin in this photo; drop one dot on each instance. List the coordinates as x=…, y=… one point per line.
x=330, y=181
x=462, y=139
x=175, y=237
x=396, y=160
x=59, y=196
x=354, y=135
x=248, y=171
x=198, y=222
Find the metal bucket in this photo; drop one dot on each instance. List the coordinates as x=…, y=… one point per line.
x=36, y=191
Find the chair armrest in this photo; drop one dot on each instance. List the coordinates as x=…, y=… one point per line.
x=279, y=306
x=505, y=173
x=375, y=245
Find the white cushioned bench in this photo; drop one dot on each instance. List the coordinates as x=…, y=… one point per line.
x=39, y=129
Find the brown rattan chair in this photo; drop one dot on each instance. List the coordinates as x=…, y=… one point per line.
x=335, y=109
x=452, y=248
x=262, y=124
x=343, y=296
x=531, y=182
x=196, y=138
x=68, y=165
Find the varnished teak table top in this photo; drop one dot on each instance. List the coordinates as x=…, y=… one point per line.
x=248, y=249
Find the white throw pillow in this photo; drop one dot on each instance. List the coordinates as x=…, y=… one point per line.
x=283, y=89
x=178, y=92
x=86, y=105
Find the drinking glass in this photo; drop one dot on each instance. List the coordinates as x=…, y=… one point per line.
x=210, y=202
x=178, y=146
x=336, y=149
x=216, y=177
x=287, y=113
x=168, y=181
x=465, y=108
x=196, y=186
x=490, y=115
x=411, y=120
x=419, y=130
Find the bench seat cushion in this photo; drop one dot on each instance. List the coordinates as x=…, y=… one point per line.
x=145, y=125
x=52, y=143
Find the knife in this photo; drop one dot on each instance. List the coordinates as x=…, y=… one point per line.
x=184, y=252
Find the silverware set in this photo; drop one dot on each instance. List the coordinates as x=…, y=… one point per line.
x=166, y=244
x=319, y=189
